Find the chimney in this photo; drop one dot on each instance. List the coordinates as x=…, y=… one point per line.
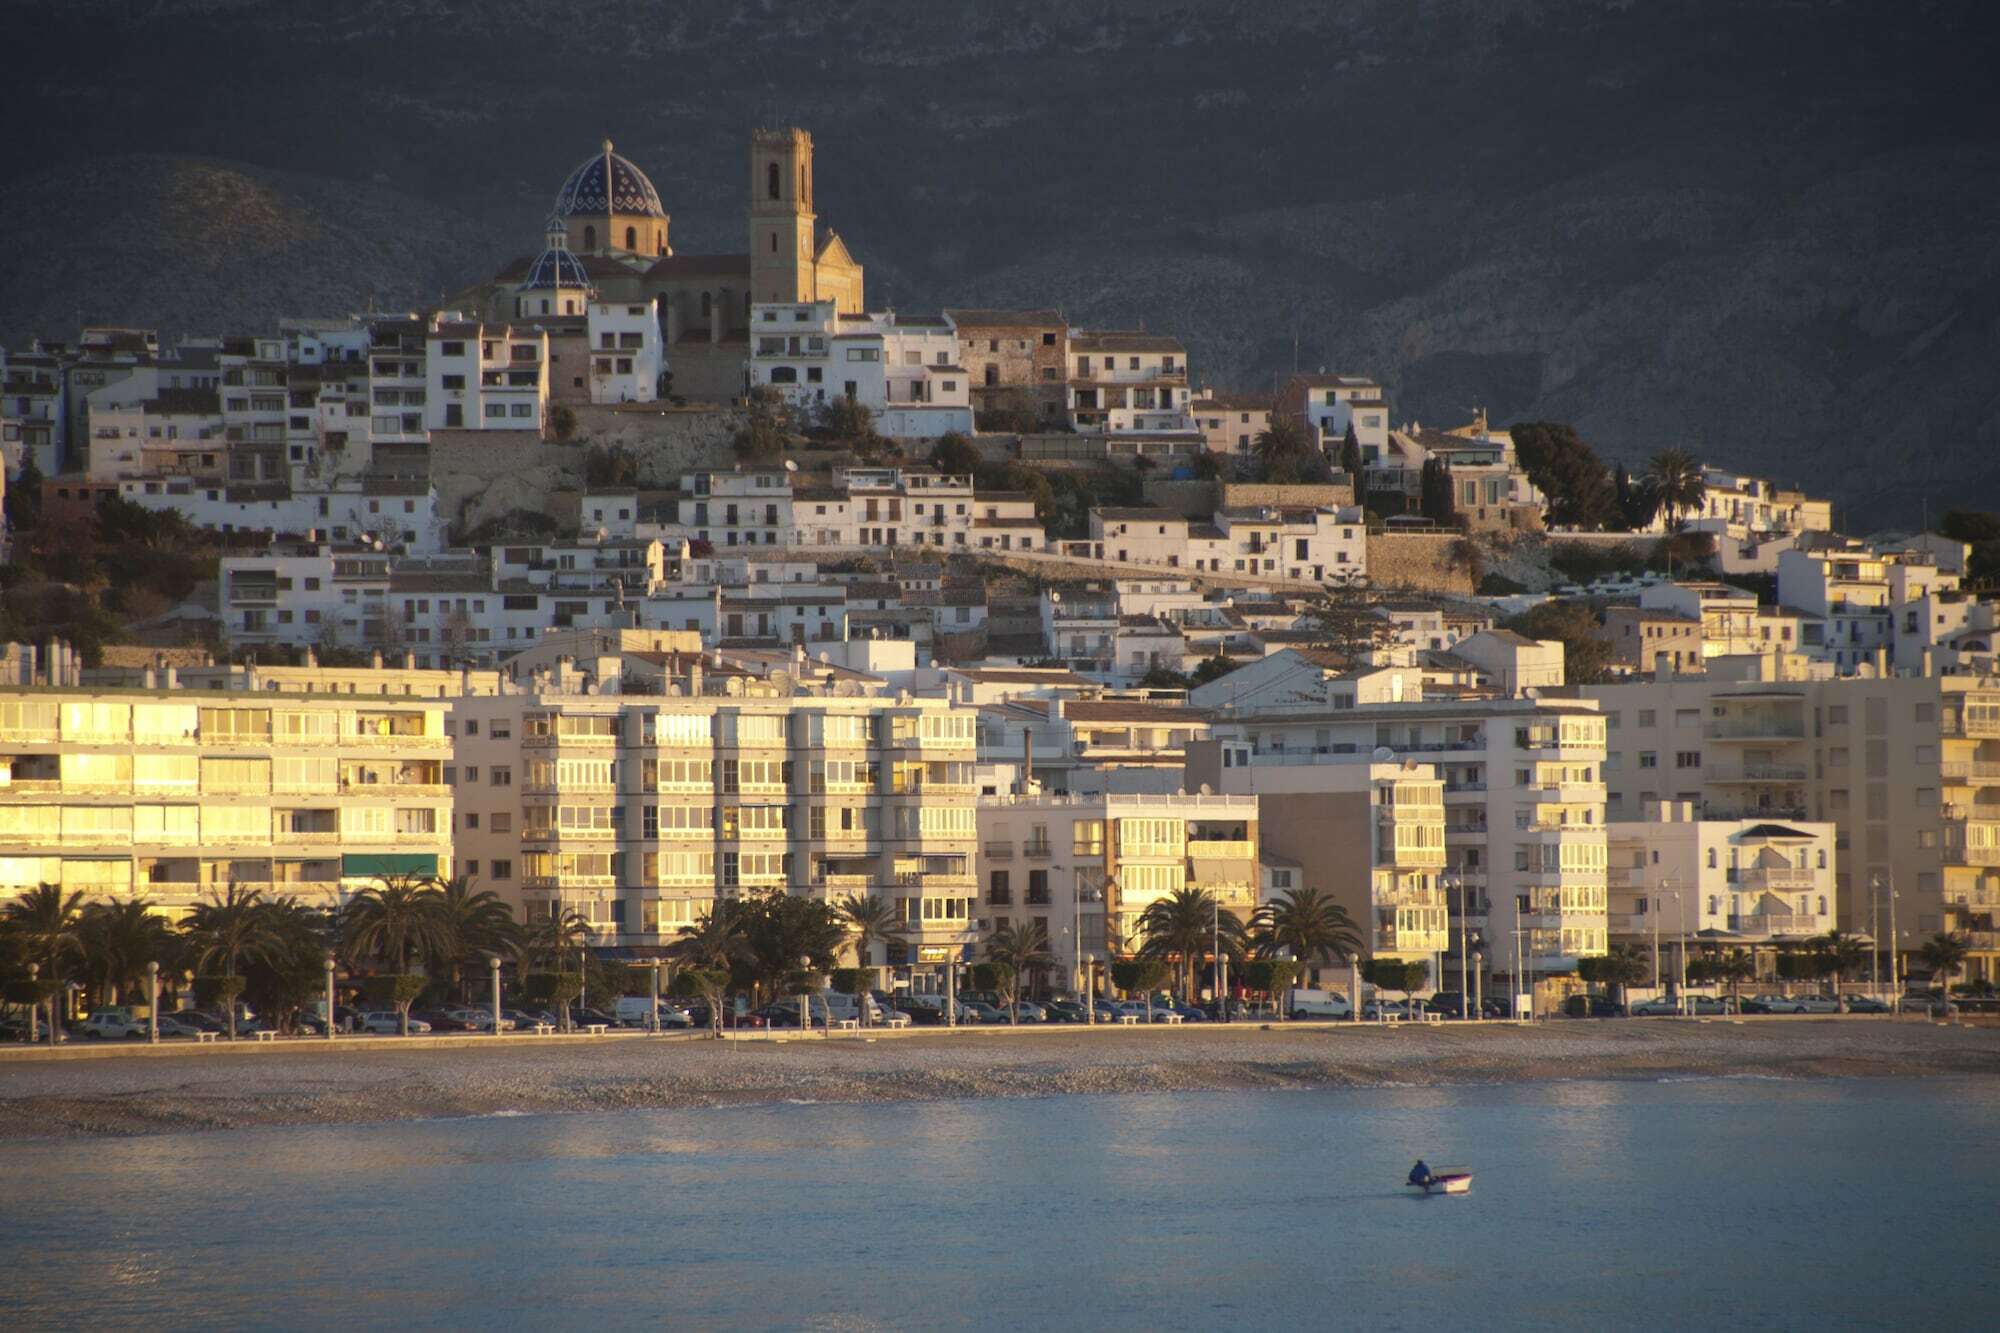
x=312, y=658
x=375, y=659
x=172, y=678
x=694, y=677
x=409, y=661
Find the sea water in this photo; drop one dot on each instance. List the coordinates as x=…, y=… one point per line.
x=1709, y=1203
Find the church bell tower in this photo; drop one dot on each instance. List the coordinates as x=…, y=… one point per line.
x=782, y=221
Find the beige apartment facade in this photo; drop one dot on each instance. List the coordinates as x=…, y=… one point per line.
x=639, y=811
x=1086, y=867
x=174, y=795
x=1523, y=791
x=1906, y=769
x=1755, y=884
x=1369, y=833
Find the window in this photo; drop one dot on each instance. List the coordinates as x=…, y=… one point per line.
x=503, y=870
x=1687, y=759
x=1648, y=759
x=631, y=238
x=500, y=776
x=501, y=822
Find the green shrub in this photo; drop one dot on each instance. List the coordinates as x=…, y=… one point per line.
x=218, y=992
x=554, y=989
x=853, y=980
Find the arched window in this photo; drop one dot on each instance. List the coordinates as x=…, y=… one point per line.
x=632, y=239
x=1711, y=858
x=707, y=305
x=659, y=242
x=784, y=375
x=774, y=242
x=805, y=194
x=590, y=238
x=545, y=305
x=771, y=179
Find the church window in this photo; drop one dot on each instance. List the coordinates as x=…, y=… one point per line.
x=590, y=238
x=631, y=238
x=771, y=179
x=805, y=191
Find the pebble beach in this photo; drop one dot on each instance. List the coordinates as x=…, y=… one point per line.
x=351, y=1082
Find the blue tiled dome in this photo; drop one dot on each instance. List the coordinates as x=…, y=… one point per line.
x=608, y=183
x=555, y=268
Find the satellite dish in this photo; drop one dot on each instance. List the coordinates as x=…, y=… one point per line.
x=1383, y=753
x=791, y=466
x=733, y=686
x=1206, y=790
x=673, y=691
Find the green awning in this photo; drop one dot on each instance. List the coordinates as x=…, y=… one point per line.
x=367, y=865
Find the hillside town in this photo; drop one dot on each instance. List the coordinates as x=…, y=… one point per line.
x=634, y=587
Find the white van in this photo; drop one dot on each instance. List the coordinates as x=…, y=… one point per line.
x=1304, y=1003
x=637, y=1011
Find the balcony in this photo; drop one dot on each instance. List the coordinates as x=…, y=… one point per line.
x=1232, y=847
x=1038, y=851
x=1755, y=729
x=1743, y=773
x=571, y=881
x=843, y=881
x=955, y=881
x=1976, y=771
x=1775, y=879
x=999, y=851
x=1765, y=924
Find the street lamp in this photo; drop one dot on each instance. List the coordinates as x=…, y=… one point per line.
x=34, y=1004
x=1478, y=966
x=153, y=1003
x=654, y=968
x=1089, y=986
x=805, y=1001
x=329, y=994
x=493, y=968
x=1895, y=954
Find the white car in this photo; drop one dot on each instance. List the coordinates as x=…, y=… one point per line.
x=479, y=1020
x=112, y=1024
x=1391, y=1009
x=389, y=1023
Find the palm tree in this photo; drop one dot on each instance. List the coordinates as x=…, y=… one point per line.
x=1282, y=446
x=117, y=940
x=1621, y=967
x=710, y=948
x=45, y=922
x=867, y=919
x=1735, y=967
x=471, y=924
x=1021, y=950
x=1674, y=478
x=1839, y=954
x=1944, y=955
x=1307, y=924
x=230, y=928
x=390, y=922
x=1184, y=925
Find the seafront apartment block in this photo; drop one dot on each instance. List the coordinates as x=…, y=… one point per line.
x=639, y=811
x=172, y=794
x=1905, y=768
x=1523, y=793
x=1086, y=868
x=1368, y=832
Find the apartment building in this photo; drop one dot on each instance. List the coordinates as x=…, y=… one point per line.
x=172, y=794
x=1231, y=422
x=1852, y=593
x=1906, y=769
x=1123, y=382
x=1643, y=638
x=1086, y=868
x=1016, y=360
x=639, y=811
x=1748, y=883
x=1732, y=620
x=1309, y=544
x=904, y=368
x=1367, y=832
x=1071, y=746
x=1523, y=791
x=1327, y=405
x=627, y=356
x=482, y=378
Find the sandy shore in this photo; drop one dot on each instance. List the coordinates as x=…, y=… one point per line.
x=321, y=1085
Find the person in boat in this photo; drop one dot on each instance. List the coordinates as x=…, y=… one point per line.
x=1420, y=1174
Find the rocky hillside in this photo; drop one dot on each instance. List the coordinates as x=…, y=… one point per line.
x=1762, y=231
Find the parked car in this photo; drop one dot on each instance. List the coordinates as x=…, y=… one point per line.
x=980, y=1012
x=1791, y=1004
x=1865, y=1004
x=479, y=1020
x=388, y=1023
x=1449, y=1003
x=1318, y=1004
x=173, y=1025
x=1592, y=1006
x=1063, y=1011
x=112, y=1025
x=1190, y=1014
x=1660, y=1006
x=1710, y=1004
x=1816, y=1004
x=201, y=1022
x=440, y=1020
x=1029, y=1010
x=1391, y=1010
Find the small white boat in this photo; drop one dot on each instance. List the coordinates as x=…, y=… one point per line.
x=1447, y=1182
